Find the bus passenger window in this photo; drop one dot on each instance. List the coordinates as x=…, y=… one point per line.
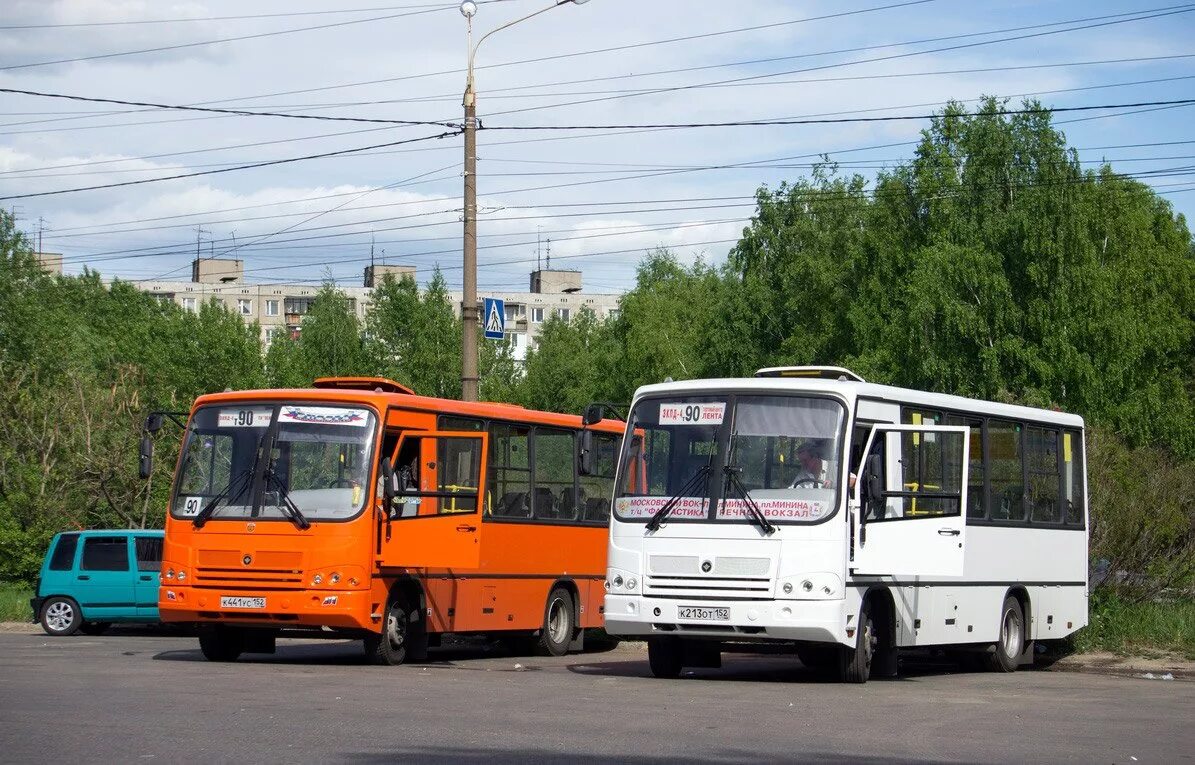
x=1042, y=459
x=1006, y=483
x=509, y=492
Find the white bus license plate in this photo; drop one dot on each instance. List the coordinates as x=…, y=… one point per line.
x=703, y=614
x=232, y=602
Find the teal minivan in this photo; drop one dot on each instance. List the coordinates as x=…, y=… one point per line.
x=91, y=579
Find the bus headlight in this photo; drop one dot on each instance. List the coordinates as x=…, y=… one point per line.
x=169, y=573
x=618, y=580
x=631, y=583
x=182, y=575
x=788, y=588
x=335, y=578
x=318, y=579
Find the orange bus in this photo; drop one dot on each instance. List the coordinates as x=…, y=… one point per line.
x=360, y=509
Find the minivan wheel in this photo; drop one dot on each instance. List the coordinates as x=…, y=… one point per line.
x=94, y=628
x=60, y=616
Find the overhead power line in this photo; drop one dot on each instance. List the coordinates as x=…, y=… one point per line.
x=236, y=112
x=202, y=43
x=254, y=16
x=230, y=169
x=822, y=121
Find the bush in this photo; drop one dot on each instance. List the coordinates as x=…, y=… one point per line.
x=1142, y=519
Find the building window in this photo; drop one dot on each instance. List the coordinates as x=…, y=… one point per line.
x=512, y=311
x=612, y=313
x=189, y=304
x=245, y=307
x=271, y=308
x=563, y=314
x=298, y=306
x=537, y=315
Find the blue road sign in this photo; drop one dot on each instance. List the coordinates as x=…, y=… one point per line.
x=494, y=312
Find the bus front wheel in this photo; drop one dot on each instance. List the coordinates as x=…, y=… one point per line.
x=854, y=664
x=221, y=643
x=664, y=656
x=403, y=635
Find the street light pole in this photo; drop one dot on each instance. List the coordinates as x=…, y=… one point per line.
x=469, y=312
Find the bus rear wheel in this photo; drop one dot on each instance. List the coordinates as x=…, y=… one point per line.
x=665, y=657
x=1011, y=640
x=221, y=643
x=560, y=623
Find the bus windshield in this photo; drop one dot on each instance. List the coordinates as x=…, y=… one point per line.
x=780, y=454
x=316, y=457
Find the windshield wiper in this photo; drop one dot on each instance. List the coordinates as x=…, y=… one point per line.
x=703, y=472
x=210, y=508
x=732, y=479
x=291, y=510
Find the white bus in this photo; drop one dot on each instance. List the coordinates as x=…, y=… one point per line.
x=848, y=519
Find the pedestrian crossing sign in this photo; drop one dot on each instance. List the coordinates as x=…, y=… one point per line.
x=494, y=318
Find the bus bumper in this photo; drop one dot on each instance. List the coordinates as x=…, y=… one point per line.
x=342, y=609
x=822, y=621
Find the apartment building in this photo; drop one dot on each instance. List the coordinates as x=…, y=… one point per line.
x=281, y=307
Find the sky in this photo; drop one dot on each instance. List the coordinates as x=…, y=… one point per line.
x=597, y=199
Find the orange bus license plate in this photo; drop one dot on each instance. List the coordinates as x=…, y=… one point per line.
x=231, y=602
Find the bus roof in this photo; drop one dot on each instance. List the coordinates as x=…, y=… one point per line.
x=853, y=390
x=402, y=400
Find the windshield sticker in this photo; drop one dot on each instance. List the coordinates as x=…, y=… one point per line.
x=775, y=509
x=692, y=414
x=258, y=417
x=646, y=507
x=191, y=506
x=324, y=415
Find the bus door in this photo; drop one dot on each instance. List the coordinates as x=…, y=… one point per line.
x=908, y=509
x=435, y=518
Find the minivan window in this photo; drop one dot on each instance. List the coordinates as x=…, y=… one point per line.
x=149, y=553
x=105, y=554
x=63, y=558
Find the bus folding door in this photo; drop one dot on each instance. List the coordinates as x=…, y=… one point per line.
x=435, y=518
x=908, y=509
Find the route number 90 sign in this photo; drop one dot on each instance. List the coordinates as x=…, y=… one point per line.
x=692, y=414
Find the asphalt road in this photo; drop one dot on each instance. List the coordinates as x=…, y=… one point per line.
x=147, y=698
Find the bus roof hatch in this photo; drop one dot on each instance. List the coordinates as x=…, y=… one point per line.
x=818, y=373
x=381, y=384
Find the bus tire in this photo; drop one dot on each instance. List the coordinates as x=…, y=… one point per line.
x=400, y=636
x=560, y=623
x=664, y=656
x=854, y=664
x=1010, y=640
x=60, y=616
x=221, y=643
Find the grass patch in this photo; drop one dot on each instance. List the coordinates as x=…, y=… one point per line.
x=14, y=603
x=1139, y=629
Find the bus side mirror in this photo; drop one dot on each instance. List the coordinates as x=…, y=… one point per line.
x=153, y=423
x=585, y=453
x=389, y=481
x=592, y=415
x=146, y=462
x=873, y=481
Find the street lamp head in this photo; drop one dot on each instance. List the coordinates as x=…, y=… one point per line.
x=469, y=8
